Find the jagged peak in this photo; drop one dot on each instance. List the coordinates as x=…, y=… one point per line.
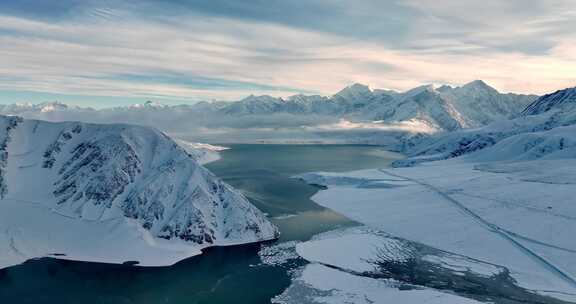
x=258, y=98
x=445, y=88
x=552, y=100
x=420, y=89
x=304, y=98
x=356, y=89
x=478, y=85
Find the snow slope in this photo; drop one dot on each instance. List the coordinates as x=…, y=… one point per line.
x=64, y=186
x=544, y=134
x=558, y=99
x=202, y=153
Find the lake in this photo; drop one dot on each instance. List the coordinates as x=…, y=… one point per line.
x=222, y=274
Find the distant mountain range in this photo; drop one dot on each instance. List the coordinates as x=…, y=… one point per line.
x=443, y=108
x=447, y=108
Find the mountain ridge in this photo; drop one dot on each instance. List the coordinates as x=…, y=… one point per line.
x=446, y=108
x=118, y=172
x=552, y=100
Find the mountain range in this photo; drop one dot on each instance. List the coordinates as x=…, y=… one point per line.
x=544, y=130
x=444, y=108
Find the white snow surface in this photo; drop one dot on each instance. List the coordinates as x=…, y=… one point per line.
x=547, y=133
x=320, y=284
x=359, y=249
x=112, y=193
x=558, y=99
x=353, y=249
x=480, y=214
x=203, y=153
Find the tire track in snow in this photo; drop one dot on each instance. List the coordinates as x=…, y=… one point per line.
x=493, y=228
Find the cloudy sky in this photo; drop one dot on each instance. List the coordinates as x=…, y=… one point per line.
x=117, y=52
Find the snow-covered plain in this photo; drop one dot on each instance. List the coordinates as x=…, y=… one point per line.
x=112, y=193
x=487, y=216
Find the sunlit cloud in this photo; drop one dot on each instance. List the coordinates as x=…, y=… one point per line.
x=199, y=50
x=411, y=126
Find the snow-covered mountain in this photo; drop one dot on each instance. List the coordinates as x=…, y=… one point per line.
x=443, y=109
x=556, y=100
x=45, y=107
x=131, y=182
x=450, y=108
x=545, y=129
x=447, y=108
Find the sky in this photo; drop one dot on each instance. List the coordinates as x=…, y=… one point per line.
x=118, y=52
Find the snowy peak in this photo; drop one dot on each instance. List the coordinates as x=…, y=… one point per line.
x=147, y=105
x=473, y=91
x=259, y=98
x=449, y=108
x=427, y=89
x=252, y=104
x=558, y=99
x=355, y=92
x=444, y=88
x=534, y=135
x=480, y=104
x=478, y=85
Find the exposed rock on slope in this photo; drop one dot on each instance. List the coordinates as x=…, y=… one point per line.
x=544, y=130
x=558, y=99
x=101, y=173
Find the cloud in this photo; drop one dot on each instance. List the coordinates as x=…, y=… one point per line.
x=523, y=26
x=197, y=50
x=411, y=126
